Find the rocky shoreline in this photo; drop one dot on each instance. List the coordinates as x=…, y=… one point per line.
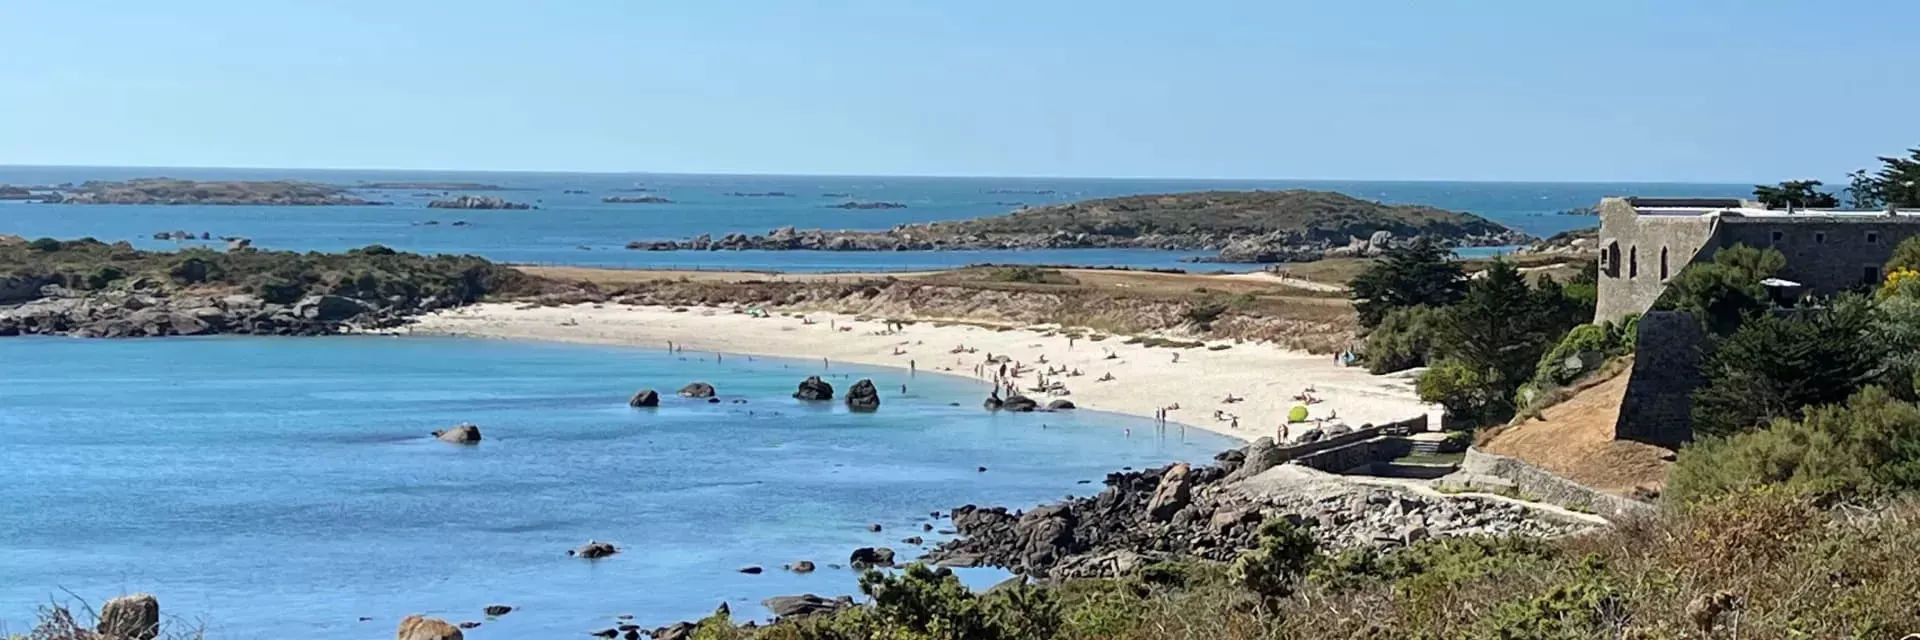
x=1240, y=227
x=61, y=311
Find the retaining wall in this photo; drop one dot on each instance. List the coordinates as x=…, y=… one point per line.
x=1538, y=484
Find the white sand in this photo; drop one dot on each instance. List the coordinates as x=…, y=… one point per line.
x=1145, y=379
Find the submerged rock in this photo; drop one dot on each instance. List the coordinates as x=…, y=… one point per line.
x=863, y=397
x=697, y=390
x=1021, y=404
x=813, y=388
x=644, y=398
x=1061, y=404
x=419, y=627
x=461, y=434
x=864, y=557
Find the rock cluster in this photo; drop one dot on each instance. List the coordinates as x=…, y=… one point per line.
x=635, y=200
x=1182, y=510
x=476, y=202
x=136, y=312
x=863, y=396
x=813, y=388
x=417, y=627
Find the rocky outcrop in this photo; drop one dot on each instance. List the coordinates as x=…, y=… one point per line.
x=476, y=202
x=813, y=388
x=1061, y=404
x=1021, y=404
x=803, y=566
x=594, y=550
x=868, y=205
x=697, y=390
x=497, y=610
x=863, y=397
x=1173, y=494
x=460, y=434
x=644, y=398
x=635, y=200
x=418, y=627
x=130, y=617
x=135, y=312
x=801, y=606
x=865, y=557
x=1261, y=455
x=220, y=192
x=1141, y=517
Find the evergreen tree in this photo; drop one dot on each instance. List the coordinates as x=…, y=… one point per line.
x=1774, y=366
x=1420, y=273
x=1898, y=182
x=1727, y=291
x=1863, y=191
x=1488, y=344
x=1798, y=194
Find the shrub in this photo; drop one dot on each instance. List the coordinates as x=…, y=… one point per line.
x=1552, y=372
x=1773, y=366
x=1870, y=445
x=44, y=245
x=1280, y=559
x=1416, y=274
x=1402, y=340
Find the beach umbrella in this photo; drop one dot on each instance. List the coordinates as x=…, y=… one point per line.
x=1297, y=414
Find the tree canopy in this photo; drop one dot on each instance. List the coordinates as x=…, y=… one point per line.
x=1723, y=293
x=1419, y=273
x=1797, y=194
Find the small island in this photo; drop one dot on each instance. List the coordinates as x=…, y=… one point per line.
x=1234, y=226
x=476, y=202
x=430, y=186
x=171, y=191
x=10, y=192
x=635, y=200
x=760, y=194
x=868, y=205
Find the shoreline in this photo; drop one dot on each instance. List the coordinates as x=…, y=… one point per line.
x=1144, y=379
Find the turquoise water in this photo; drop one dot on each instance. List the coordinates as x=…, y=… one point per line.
x=286, y=487
x=579, y=229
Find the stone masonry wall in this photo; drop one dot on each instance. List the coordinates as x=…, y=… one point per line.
x=1641, y=252
x=1541, y=485
x=1827, y=254
x=1658, y=406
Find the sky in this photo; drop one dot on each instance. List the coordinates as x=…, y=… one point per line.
x=1505, y=90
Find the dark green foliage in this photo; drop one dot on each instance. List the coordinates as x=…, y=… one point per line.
x=1578, y=608
x=1402, y=340
x=1797, y=194
x=1314, y=215
x=1898, y=182
x=1863, y=191
x=1869, y=445
x=1417, y=274
x=1773, y=366
x=1490, y=343
x=44, y=245
x=1727, y=291
x=1281, y=559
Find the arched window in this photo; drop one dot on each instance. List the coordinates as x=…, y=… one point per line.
x=1633, y=262
x=1610, y=260
x=1663, y=263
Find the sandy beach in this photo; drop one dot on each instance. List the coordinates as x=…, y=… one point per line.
x=1143, y=379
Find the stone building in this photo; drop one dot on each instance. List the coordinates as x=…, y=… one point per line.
x=1646, y=241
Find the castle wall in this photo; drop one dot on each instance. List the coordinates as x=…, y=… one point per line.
x=1641, y=252
x=1827, y=254
x=1658, y=405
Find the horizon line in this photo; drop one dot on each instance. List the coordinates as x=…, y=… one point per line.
x=4, y=166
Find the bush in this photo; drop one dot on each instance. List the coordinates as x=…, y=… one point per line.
x=1727, y=291
x=1418, y=274
x=1283, y=554
x=1552, y=372
x=44, y=245
x=1773, y=366
x=1870, y=445
x=1402, y=340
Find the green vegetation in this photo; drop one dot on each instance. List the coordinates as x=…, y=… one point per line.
x=1420, y=274
x=1868, y=446
x=1727, y=291
x=1698, y=570
x=1402, y=340
x=225, y=192
x=1027, y=274
x=1796, y=194
x=1906, y=255
x=1772, y=366
x=371, y=273
x=1316, y=215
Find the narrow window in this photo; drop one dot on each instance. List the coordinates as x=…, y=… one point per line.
x=1633, y=262
x=1778, y=236
x=1873, y=237
x=1663, y=263
x=1612, y=260
x=1819, y=237
x=1870, y=275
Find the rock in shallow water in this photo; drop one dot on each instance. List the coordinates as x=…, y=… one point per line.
x=418, y=627
x=697, y=390
x=644, y=398
x=813, y=388
x=461, y=434
x=863, y=397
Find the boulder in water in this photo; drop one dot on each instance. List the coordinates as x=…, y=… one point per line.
x=1060, y=404
x=131, y=617
x=497, y=610
x=697, y=390
x=594, y=550
x=993, y=403
x=461, y=434
x=813, y=388
x=863, y=397
x=418, y=627
x=864, y=557
x=1021, y=404
x=644, y=398
x=803, y=566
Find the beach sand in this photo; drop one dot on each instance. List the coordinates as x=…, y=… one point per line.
x=1145, y=379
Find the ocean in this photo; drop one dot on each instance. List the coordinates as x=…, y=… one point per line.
x=287, y=487
x=578, y=229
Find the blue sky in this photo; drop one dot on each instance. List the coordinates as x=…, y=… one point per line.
x=1659, y=90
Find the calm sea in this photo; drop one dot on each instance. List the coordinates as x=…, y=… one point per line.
x=576, y=228
x=286, y=487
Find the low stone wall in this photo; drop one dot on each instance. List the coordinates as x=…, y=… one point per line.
x=1347, y=451
x=1538, y=484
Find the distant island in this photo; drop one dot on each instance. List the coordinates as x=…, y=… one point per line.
x=431, y=186
x=635, y=200
x=225, y=192
x=1237, y=226
x=765, y=194
x=10, y=192
x=476, y=202
x=868, y=205
x=836, y=195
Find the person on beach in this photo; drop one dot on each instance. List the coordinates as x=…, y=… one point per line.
x=910, y=368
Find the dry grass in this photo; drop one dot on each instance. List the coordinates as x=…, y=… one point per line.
x=1574, y=438
x=59, y=621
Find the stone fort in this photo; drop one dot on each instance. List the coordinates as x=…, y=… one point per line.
x=1646, y=241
